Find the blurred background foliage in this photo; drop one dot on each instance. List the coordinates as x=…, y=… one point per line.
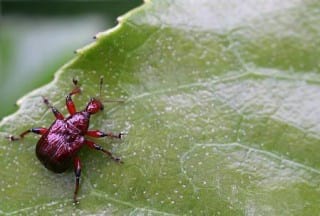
x=38, y=37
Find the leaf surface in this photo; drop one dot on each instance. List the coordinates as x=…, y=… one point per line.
x=220, y=111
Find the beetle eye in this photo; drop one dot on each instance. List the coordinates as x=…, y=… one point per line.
x=102, y=107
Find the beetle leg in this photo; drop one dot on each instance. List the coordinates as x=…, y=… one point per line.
x=69, y=103
x=40, y=131
x=56, y=113
x=77, y=172
x=97, y=147
x=98, y=134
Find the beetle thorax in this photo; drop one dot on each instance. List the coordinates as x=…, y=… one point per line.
x=79, y=121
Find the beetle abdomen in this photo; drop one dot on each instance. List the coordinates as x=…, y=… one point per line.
x=54, y=165
x=57, y=148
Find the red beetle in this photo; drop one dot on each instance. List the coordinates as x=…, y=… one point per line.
x=58, y=146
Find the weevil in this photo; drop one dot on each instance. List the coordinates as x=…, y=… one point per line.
x=59, y=144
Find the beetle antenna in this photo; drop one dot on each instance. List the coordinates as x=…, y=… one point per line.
x=108, y=100
x=101, y=82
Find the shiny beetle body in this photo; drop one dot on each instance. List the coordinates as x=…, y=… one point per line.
x=59, y=144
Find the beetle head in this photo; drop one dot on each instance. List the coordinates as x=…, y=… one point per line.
x=94, y=106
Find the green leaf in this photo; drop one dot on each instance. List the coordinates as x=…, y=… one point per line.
x=220, y=109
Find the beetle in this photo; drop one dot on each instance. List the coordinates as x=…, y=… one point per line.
x=59, y=144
